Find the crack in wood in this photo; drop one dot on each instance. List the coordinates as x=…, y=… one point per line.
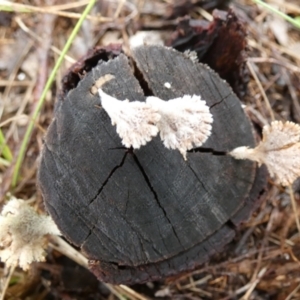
x=155, y=195
x=199, y=180
x=231, y=225
x=208, y=150
x=219, y=102
x=108, y=177
x=141, y=79
x=89, y=234
x=118, y=148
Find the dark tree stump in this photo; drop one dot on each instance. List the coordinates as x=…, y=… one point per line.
x=146, y=214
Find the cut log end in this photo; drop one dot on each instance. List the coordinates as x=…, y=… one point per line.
x=145, y=214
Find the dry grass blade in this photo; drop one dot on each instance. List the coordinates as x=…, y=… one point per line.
x=70, y=5
x=15, y=118
x=294, y=205
x=5, y=280
x=63, y=247
x=119, y=8
x=287, y=6
x=40, y=40
x=29, y=9
x=12, y=76
x=271, y=60
x=132, y=293
x=278, y=12
x=253, y=73
x=43, y=96
x=293, y=293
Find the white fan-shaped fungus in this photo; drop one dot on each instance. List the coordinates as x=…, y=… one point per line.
x=22, y=235
x=135, y=121
x=185, y=122
x=279, y=150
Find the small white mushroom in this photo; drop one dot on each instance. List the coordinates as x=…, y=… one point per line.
x=22, y=234
x=185, y=122
x=135, y=121
x=279, y=150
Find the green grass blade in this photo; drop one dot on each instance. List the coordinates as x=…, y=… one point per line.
x=8, y=8
x=4, y=149
x=47, y=87
x=295, y=22
x=4, y=162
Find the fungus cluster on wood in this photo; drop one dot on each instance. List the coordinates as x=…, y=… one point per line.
x=135, y=121
x=184, y=123
x=146, y=213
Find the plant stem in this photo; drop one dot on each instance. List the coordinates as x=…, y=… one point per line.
x=47, y=87
x=279, y=13
x=6, y=153
x=8, y=272
x=264, y=95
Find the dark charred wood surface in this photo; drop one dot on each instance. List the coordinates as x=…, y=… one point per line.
x=146, y=214
x=210, y=41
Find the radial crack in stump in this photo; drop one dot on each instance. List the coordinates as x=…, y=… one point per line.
x=154, y=214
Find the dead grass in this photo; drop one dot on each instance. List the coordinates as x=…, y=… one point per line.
x=263, y=261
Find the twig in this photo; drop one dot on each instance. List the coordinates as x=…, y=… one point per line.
x=40, y=40
x=44, y=29
x=6, y=5
x=15, y=83
x=132, y=292
x=293, y=8
x=198, y=282
x=63, y=247
x=6, y=279
x=66, y=249
x=274, y=61
x=12, y=131
x=251, y=69
x=260, y=118
x=205, y=14
x=278, y=12
x=293, y=201
x=254, y=284
x=293, y=293
x=114, y=291
x=119, y=8
x=257, y=275
x=267, y=43
x=7, y=121
x=13, y=74
x=250, y=230
x=70, y=5
x=294, y=96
